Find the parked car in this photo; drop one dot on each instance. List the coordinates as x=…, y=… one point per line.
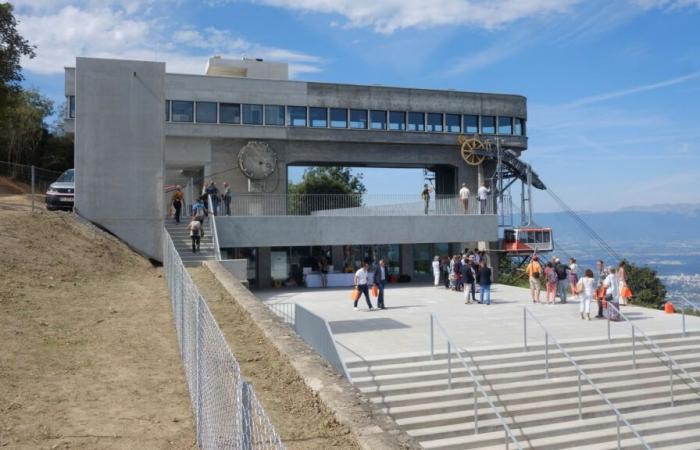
x=61, y=192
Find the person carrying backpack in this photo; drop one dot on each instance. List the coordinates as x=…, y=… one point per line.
x=562, y=279
x=199, y=211
x=195, y=228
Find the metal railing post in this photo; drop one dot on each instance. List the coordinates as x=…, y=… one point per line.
x=634, y=351
x=670, y=377
x=432, y=342
x=449, y=365
x=33, y=179
x=198, y=353
x=618, y=431
x=683, y=313
x=246, y=425
x=476, y=411
x=609, y=340
x=546, y=355
x=525, y=328
x=580, y=412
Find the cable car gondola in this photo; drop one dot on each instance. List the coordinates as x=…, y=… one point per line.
x=523, y=241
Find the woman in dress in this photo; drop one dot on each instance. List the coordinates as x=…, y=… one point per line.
x=625, y=292
x=573, y=275
x=436, y=270
x=551, y=279
x=586, y=286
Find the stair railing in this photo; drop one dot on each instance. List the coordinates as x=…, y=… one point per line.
x=581, y=374
x=435, y=322
x=673, y=366
x=214, y=233
x=686, y=303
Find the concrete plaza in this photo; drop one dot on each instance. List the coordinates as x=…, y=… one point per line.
x=403, y=328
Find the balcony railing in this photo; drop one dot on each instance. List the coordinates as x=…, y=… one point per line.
x=257, y=205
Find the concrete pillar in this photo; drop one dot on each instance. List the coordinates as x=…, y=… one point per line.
x=337, y=258
x=406, y=252
x=493, y=259
x=264, y=267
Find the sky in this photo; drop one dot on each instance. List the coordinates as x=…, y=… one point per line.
x=613, y=87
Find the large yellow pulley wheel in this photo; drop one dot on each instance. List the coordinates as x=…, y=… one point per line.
x=470, y=148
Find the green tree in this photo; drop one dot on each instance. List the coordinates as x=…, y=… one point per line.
x=12, y=48
x=646, y=286
x=325, y=188
x=23, y=127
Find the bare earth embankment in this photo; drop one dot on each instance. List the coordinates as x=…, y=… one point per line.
x=88, y=353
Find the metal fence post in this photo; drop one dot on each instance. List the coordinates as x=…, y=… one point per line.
x=432, y=343
x=449, y=365
x=198, y=353
x=525, y=328
x=546, y=355
x=33, y=178
x=246, y=423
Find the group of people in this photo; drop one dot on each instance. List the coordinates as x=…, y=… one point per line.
x=221, y=200
x=463, y=273
x=362, y=285
x=482, y=195
x=604, y=285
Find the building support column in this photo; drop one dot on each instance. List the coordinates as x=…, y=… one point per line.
x=406, y=265
x=337, y=258
x=264, y=267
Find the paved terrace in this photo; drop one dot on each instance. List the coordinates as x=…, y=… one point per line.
x=403, y=328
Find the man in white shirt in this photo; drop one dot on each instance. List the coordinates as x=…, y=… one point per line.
x=483, y=194
x=361, y=284
x=464, y=197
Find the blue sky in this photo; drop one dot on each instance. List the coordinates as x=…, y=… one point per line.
x=613, y=87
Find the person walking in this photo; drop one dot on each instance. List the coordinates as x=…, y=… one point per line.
x=361, y=284
x=484, y=277
x=380, y=277
x=468, y=282
x=323, y=269
x=612, y=293
x=534, y=275
x=464, y=197
x=226, y=199
x=425, y=195
x=563, y=279
x=483, y=194
x=551, y=279
x=600, y=276
x=176, y=202
x=586, y=287
x=199, y=211
x=436, y=270
x=573, y=276
x=624, y=289
x=195, y=228
x=213, y=192
x=446, y=271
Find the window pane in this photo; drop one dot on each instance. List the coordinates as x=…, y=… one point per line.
x=274, y=115
x=397, y=120
x=71, y=106
x=318, y=117
x=253, y=114
x=434, y=122
x=452, y=124
x=339, y=118
x=377, y=120
x=416, y=121
x=206, y=112
x=358, y=118
x=167, y=111
x=183, y=111
x=296, y=116
x=505, y=125
x=488, y=124
x=519, y=126
x=471, y=124
x=229, y=113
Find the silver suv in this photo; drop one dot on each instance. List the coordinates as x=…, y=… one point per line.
x=61, y=192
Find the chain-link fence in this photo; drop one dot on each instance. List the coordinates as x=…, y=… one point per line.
x=227, y=413
x=24, y=187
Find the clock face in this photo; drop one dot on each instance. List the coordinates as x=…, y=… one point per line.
x=257, y=160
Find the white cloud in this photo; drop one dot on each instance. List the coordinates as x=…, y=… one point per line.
x=129, y=29
x=667, y=4
x=387, y=16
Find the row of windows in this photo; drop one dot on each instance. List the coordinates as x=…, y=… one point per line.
x=318, y=117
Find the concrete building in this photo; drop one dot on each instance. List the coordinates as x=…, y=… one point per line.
x=139, y=129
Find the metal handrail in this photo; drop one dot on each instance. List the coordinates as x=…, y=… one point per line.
x=672, y=364
x=477, y=386
x=689, y=303
x=547, y=336
x=215, y=234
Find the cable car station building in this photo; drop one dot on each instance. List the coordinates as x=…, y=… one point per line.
x=139, y=129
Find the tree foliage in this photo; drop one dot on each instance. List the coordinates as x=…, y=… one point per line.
x=646, y=286
x=12, y=48
x=326, y=188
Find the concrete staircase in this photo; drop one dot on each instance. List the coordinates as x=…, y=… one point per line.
x=542, y=413
x=183, y=244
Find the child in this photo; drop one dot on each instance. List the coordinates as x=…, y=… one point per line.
x=550, y=275
x=195, y=228
x=586, y=286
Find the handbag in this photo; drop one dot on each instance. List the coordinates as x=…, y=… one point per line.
x=625, y=292
x=375, y=291
x=355, y=295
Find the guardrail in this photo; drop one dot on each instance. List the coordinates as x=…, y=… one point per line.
x=673, y=366
x=227, y=413
x=509, y=436
x=686, y=302
x=256, y=205
x=547, y=336
x=214, y=233
x=285, y=311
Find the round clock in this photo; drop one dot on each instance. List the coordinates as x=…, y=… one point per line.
x=257, y=160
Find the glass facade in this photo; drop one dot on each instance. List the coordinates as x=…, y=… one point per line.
x=182, y=111
x=519, y=127
x=488, y=124
x=423, y=255
x=71, y=107
x=358, y=118
x=167, y=111
x=377, y=120
x=229, y=113
x=339, y=118
x=296, y=116
x=452, y=123
x=397, y=120
x=471, y=124
x=505, y=125
x=416, y=121
x=435, y=122
x=252, y=114
x=206, y=112
x=274, y=115
x=318, y=117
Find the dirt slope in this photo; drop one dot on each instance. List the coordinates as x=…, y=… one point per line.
x=89, y=356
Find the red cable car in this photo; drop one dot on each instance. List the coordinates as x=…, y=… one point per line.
x=525, y=241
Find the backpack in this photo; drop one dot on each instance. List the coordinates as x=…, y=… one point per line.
x=561, y=271
x=552, y=277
